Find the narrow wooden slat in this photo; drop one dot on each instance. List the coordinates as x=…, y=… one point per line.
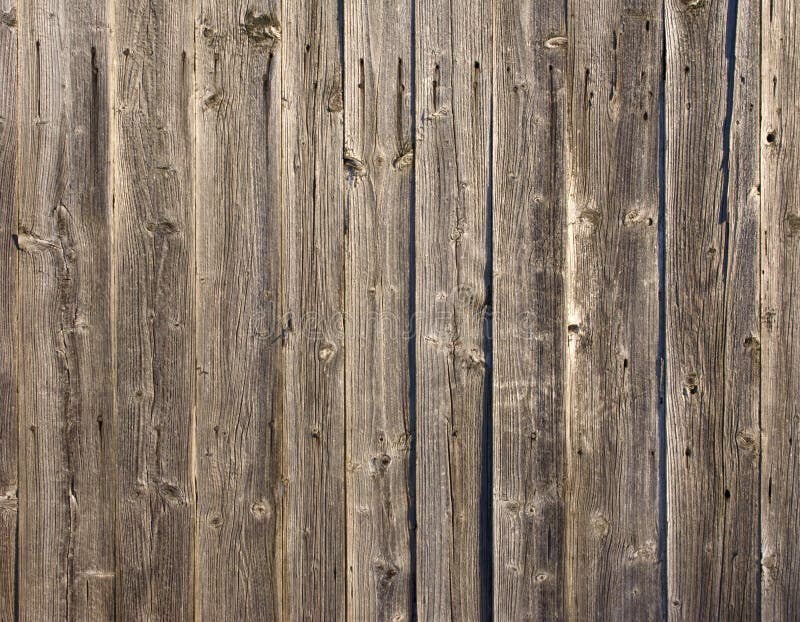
x=453, y=101
x=153, y=56
x=780, y=262
x=66, y=526
x=712, y=316
x=380, y=168
x=611, y=314
x=313, y=278
x=528, y=327
x=8, y=309
x=239, y=419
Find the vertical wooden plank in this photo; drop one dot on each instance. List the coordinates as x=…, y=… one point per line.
x=780, y=255
x=153, y=55
x=66, y=538
x=453, y=78
x=239, y=420
x=612, y=317
x=8, y=309
x=528, y=330
x=379, y=156
x=712, y=317
x=313, y=277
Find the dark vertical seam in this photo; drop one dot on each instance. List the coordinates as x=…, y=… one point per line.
x=196, y=609
x=760, y=546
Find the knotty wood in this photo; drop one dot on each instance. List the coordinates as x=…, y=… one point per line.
x=528, y=330
x=453, y=104
x=313, y=278
x=240, y=398
x=8, y=309
x=780, y=379
x=712, y=323
x=66, y=522
x=379, y=154
x=153, y=56
x=612, y=311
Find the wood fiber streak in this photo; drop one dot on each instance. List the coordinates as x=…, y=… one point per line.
x=379, y=169
x=453, y=100
x=240, y=397
x=780, y=284
x=529, y=333
x=153, y=154
x=712, y=314
x=66, y=505
x=8, y=310
x=313, y=288
x=612, y=320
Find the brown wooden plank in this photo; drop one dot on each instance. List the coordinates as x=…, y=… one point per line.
x=66, y=533
x=239, y=418
x=453, y=101
x=380, y=157
x=780, y=262
x=611, y=313
x=313, y=277
x=153, y=55
x=712, y=317
x=528, y=327
x=8, y=310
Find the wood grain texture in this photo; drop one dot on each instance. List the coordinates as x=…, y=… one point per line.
x=780, y=281
x=154, y=269
x=712, y=208
x=313, y=278
x=66, y=526
x=453, y=101
x=612, y=316
x=240, y=397
x=528, y=323
x=379, y=157
x=8, y=310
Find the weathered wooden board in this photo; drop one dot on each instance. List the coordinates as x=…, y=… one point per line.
x=8, y=310
x=528, y=331
x=780, y=262
x=240, y=398
x=612, y=311
x=379, y=169
x=154, y=270
x=66, y=525
x=453, y=105
x=712, y=317
x=313, y=215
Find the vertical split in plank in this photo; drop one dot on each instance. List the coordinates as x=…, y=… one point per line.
x=712, y=325
x=313, y=288
x=379, y=160
x=66, y=537
x=8, y=309
x=780, y=380
x=528, y=331
x=153, y=154
x=454, y=81
x=240, y=399
x=612, y=319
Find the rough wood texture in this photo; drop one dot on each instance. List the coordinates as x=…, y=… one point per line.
x=611, y=315
x=453, y=104
x=712, y=325
x=240, y=401
x=8, y=309
x=313, y=278
x=66, y=537
x=154, y=307
x=379, y=159
x=780, y=253
x=528, y=331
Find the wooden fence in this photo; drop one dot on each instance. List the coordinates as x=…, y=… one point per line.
x=399, y=309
